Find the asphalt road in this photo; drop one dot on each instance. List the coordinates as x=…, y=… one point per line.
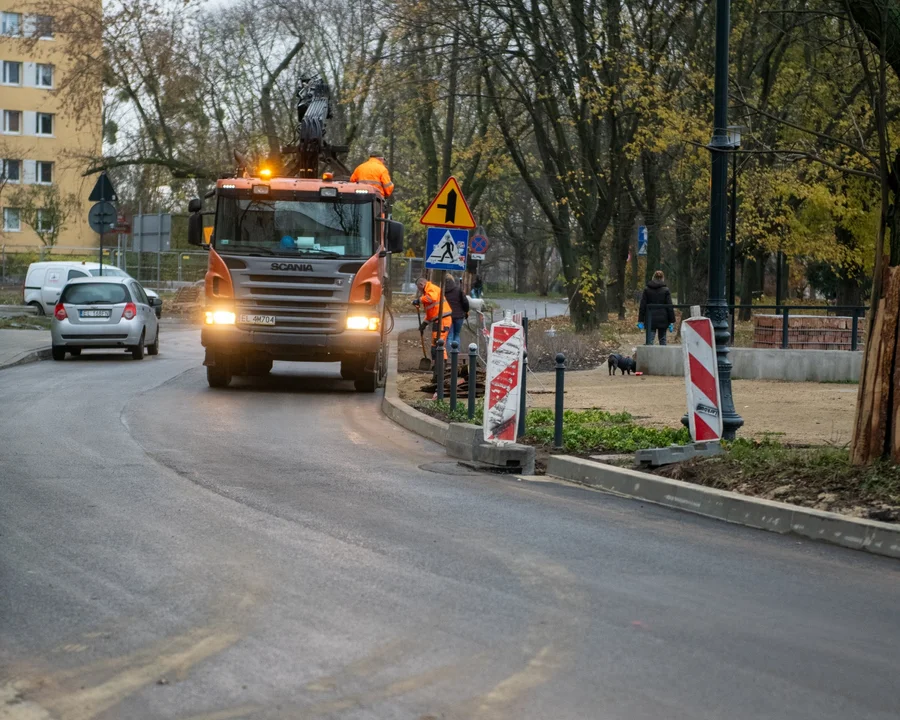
x=280, y=550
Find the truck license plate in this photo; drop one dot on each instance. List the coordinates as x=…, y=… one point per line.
x=257, y=319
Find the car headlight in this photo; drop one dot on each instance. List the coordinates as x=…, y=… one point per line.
x=219, y=317
x=362, y=322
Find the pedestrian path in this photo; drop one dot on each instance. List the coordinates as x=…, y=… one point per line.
x=19, y=345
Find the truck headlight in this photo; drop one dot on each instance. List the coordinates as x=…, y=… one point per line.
x=219, y=317
x=362, y=322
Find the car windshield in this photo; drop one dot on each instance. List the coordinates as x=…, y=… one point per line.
x=95, y=294
x=290, y=227
x=109, y=271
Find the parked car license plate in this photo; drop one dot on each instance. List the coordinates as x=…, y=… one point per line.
x=257, y=319
x=94, y=313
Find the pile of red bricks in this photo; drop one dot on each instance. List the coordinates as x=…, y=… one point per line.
x=806, y=332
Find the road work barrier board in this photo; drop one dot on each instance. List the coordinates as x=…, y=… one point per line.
x=701, y=379
x=506, y=344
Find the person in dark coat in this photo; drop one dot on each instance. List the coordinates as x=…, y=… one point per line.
x=478, y=287
x=662, y=316
x=459, y=304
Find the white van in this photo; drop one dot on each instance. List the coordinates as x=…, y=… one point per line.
x=45, y=281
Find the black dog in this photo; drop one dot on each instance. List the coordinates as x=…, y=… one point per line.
x=625, y=364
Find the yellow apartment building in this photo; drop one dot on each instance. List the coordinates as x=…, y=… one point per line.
x=39, y=144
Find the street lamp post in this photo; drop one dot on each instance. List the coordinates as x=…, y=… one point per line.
x=717, y=306
x=734, y=139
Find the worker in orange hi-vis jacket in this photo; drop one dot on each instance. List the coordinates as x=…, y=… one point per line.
x=374, y=172
x=431, y=300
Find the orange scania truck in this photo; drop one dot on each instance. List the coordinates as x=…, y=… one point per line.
x=299, y=262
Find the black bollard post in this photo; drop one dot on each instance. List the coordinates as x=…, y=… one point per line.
x=473, y=371
x=785, y=328
x=439, y=368
x=522, y=397
x=560, y=391
x=454, y=372
x=854, y=332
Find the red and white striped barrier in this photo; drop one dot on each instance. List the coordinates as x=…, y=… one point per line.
x=701, y=376
x=504, y=377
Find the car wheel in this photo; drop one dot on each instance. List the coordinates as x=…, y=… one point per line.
x=154, y=348
x=58, y=352
x=137, y=352
x=218, y=376
x=75, y=352
x=40, y=308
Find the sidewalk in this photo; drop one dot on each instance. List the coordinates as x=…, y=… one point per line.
x=18, y=346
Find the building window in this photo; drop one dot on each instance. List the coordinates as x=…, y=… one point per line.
x=12, y=73
x=12, y=121
x=44, y=124
x=44, y=172
x=11, y=221
x=11, y=23
x=44, y=220
x=43, y=27
x=10, y=171
x=44, y=76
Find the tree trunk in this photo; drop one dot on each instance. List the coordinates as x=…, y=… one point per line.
x=876, y=427
x=748, y=276
x=683, y=243
x=650, y=168
x=520, y=258
x=623, y=224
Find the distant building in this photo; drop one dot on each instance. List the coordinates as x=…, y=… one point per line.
x=39, y=144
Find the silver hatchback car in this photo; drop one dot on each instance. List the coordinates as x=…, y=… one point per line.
x=104, y=312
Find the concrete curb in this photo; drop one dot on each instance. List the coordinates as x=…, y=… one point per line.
x=27, y=357
x=462, y=441
x=403, y=414
x=875, y=537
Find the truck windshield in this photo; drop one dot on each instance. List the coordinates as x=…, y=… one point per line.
x=290, y=227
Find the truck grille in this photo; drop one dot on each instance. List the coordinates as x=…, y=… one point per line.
x=300, y=303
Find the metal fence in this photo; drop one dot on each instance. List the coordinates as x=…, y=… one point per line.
x=784, y=335
x=154, y=270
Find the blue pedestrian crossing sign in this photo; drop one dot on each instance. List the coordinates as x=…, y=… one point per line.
x=445, y=249
x=642, y=240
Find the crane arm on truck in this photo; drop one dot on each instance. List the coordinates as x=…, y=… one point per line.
x=311, y=148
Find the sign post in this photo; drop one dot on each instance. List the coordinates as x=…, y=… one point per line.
x=701, y=376
x=447, y=242
x=104, y=196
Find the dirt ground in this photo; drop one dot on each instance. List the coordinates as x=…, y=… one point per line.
x=797, y=413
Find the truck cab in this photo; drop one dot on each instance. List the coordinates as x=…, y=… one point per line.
x=298, y=270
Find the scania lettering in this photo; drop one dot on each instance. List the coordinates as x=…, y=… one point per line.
x=298, y=262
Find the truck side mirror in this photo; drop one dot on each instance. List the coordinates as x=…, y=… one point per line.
x=195, y=222
x=394, y=236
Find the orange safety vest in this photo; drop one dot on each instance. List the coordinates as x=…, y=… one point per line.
x=431, y=296
x=373, y=172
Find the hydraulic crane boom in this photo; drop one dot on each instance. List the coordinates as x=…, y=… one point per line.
x=312, y=150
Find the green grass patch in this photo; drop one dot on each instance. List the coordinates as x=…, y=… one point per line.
x=588, y=431
x=584, y=431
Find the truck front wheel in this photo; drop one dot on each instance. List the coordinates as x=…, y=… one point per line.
x=368, y=379
x=218, y=376
x=351, y=369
